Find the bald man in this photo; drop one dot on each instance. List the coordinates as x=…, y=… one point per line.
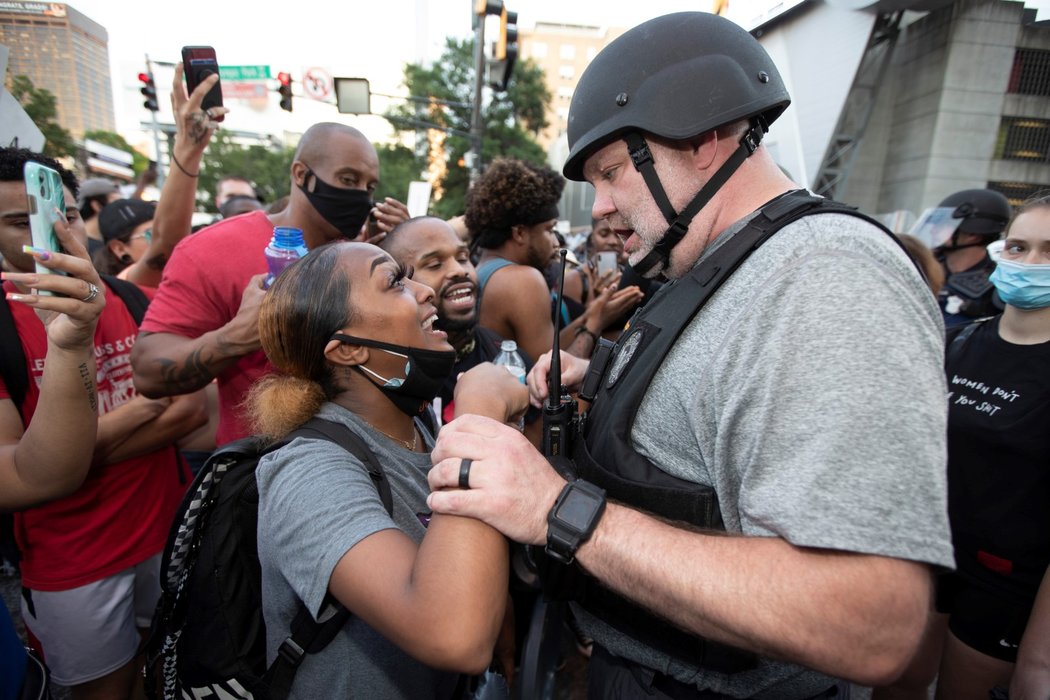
x=202, y=324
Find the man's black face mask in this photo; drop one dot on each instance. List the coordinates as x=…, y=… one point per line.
x=345, y=209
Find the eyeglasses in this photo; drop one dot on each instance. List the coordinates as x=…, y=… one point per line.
x=147, y=234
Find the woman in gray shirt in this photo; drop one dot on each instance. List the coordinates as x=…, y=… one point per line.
x=353, y=340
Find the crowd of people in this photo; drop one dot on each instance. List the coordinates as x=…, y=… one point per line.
x=785, y=476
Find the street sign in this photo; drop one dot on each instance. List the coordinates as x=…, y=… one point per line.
x=317, y=84
x=244, y=91
x=242, y=73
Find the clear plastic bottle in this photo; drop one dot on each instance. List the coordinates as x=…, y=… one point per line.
x=508, y=357
x=286, y=246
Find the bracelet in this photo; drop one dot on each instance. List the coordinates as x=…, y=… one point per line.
x=185, y=172
x=584, y=329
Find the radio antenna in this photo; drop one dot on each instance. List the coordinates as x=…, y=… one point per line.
x=554, y=379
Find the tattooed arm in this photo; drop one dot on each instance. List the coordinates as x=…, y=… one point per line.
x=166, y=364
x=174, y=214
x=50, y=458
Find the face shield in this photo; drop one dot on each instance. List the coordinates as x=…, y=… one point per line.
x=936, y=226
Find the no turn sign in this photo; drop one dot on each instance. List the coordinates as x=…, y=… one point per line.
x=317, y=84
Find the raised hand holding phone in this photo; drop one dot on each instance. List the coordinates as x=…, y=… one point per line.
x=200, y=65
x=46, y=200
x=195, y=123
x=68, y=303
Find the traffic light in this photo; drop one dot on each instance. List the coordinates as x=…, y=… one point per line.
x=149, y=91
x=285, y=90
x=506, y=50
x=508, y=34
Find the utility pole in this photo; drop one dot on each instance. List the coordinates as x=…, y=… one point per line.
x=481, y=8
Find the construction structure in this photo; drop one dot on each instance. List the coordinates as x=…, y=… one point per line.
x=899, y=103
x=895, y=103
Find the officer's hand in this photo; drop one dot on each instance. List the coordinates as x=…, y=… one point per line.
x=573, y=370
x=511, y=485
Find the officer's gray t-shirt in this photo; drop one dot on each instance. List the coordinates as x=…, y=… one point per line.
x=810, y=392
x=316, y=501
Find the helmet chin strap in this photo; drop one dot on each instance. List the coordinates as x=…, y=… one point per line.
x=678, y=222
x=953, y=243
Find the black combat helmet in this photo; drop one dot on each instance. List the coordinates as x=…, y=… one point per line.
x=982, y=212
x=675, y=76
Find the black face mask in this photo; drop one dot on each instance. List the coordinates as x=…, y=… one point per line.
x=345, y=209
x=425, y=373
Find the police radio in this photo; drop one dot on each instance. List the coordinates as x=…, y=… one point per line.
x=559, y=411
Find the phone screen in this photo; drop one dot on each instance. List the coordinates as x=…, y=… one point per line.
x=198, y=62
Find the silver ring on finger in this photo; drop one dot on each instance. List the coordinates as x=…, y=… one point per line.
x=92, y=293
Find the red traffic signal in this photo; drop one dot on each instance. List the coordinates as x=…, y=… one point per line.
x=285, y=90
x=149, y=91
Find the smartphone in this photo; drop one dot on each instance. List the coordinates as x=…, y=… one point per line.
x=607, y=262
x=198, y=62
x=45, y=194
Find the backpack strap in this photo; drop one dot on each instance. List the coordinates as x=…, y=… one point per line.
x=12, y=358
x=309, y=636
x=132, y=296
x=352, y=443
x=16, y=379
x=956, y=336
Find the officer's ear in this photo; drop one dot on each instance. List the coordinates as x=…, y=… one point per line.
x=704, y=148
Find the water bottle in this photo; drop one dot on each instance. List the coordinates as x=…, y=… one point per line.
x=285, y=247
x=508, y=357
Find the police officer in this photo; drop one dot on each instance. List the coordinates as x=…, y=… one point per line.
x=971, y=220
x=759, y=489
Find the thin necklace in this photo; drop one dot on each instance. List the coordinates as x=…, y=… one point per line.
x=408, y=445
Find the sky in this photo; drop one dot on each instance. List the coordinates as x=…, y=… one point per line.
x=370, y=40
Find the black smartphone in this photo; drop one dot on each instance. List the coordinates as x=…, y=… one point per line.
x=198, y=62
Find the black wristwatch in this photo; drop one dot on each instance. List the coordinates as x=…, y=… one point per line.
x=573, y=518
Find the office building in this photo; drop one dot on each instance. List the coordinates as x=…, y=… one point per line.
x=66, y=53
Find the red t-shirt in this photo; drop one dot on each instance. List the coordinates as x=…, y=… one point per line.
x=201, y=291
x=121, y=515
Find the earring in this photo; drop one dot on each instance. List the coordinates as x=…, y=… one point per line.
x=126, y=259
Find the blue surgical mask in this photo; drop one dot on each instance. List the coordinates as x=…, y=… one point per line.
x=1022, y=285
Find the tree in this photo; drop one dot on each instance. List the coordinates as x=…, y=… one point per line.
x=41, y=106
x=511, y=121
x=398, y=166
x=108, y=138
x=267, y=167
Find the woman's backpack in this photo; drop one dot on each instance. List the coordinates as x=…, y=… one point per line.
x=208, y=638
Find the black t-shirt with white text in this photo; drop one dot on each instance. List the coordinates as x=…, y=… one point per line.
x=999, y=460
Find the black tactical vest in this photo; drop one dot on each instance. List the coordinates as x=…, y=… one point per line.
x=605, y=456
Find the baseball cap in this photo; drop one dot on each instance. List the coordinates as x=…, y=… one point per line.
x=95, y=187
x=120, y=217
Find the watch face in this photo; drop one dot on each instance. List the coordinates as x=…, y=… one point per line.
x=578, y=509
